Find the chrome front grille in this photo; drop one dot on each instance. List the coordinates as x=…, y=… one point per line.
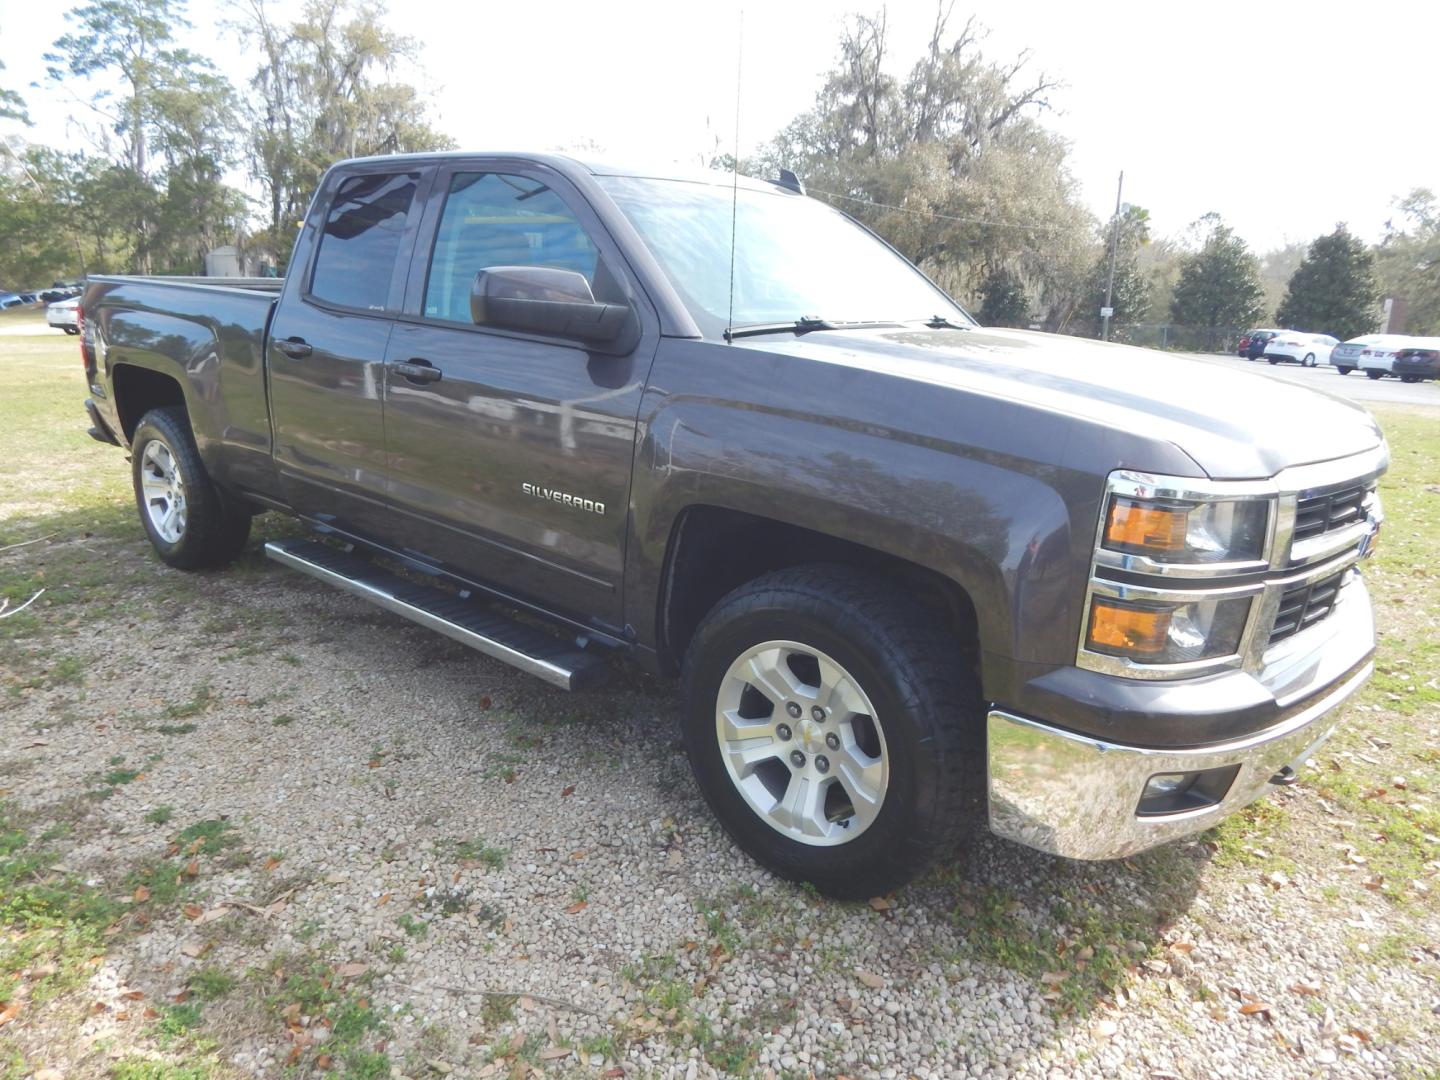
x=1304, y=604
x=1316, y=515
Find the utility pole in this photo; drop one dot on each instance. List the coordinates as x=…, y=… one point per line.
x=1108, y=310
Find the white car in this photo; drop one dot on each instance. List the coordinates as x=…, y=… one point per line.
x=1377, y=358
x=1306, y=350
x=1363, y=353
x=64, y=314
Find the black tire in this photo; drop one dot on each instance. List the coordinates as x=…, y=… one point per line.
x=926, y=702
x=70, y=329
x=1344, y=370
x=1374, y=373
x=215, y=527
x=1309, y=360
x=1409, y=378
x=1272, y=360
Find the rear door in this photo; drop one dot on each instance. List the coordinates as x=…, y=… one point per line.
x=510, y=459
x=327, y=346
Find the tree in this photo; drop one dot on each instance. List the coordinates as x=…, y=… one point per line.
x=950, y=164
x=325, y=90
x=1003, y=301
x=12, y=105
x=1218, y=291
x=173, y=119
x=1333, y=289
x=1130, y=293
x=1407, y=261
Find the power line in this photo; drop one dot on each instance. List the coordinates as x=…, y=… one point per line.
x=949, y=217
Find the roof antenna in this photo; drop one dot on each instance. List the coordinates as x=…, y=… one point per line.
x=735, y=171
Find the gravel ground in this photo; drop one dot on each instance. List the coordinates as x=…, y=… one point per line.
x=466, y=833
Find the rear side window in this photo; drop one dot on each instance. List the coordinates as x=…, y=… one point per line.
x=356, y=260
x=496, y=219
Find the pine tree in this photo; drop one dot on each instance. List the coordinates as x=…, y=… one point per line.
x=1219, y=287
x=1333, y=289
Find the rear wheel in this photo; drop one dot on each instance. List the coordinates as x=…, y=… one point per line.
x=1344, y=370
x=1272, y=360
x=191, y=523
x=1309, y=360
x=834, y=729
x=1372, y=373
x=1410, y=378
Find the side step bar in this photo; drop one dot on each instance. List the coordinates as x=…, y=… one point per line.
x=558, y=662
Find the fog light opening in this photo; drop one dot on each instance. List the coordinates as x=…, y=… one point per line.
x=1182, y=792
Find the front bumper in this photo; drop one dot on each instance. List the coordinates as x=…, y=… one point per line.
x=1079, y=796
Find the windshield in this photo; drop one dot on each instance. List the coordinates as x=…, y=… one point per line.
x=794, y=257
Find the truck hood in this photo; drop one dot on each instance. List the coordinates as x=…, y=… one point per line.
x=1232, y=424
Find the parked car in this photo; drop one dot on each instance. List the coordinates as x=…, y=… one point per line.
x=918, y=576
x=1376, y=358
x=9, y=300
x=1417, y=359
x=1307, y=350
x=64, y=314
x=1252, y=345
x=1364, y=352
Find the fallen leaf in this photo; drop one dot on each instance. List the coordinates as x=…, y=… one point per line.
x=192, y=868
x=193, y=911
x=384, y=900
x=9, y=1013
x=554, y=1053
x=211, y=915
x=271, y=863
x=874, y=982
x=1252, y=1007
x=350, y=971
x=567, y=791
x=879, y=903
x=181, y=996
x=1054, y=978
x=576, y=908
x=324, y=1061
x=133, y=995
x=1308, y=987
x=195, y=949
x=526, y=1002
x=141, y=894
x=517, y=1042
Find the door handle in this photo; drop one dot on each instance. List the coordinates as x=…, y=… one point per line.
x=296, y=348
x=418, y=371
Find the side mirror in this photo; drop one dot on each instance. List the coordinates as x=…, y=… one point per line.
x=544, y=300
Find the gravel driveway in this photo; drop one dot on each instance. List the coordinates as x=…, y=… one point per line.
x=522, y=881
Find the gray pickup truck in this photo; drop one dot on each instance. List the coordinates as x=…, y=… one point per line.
x=916, y=575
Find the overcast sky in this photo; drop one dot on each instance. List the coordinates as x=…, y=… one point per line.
x=1284, y=118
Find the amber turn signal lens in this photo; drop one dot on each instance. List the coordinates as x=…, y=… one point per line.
x=1115, y=628
x=1153, y=528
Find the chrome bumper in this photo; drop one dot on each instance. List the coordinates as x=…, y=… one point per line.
x=1078, y=796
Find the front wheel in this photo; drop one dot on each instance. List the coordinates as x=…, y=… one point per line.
x=71, y=329
x=190, y=522
x=1373, y=373
x=1409, y=378
x=834, y=729
x=1272, y=360
x=1344, y=370
x=1309, y=360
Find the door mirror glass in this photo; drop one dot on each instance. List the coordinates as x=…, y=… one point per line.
x=544, y=300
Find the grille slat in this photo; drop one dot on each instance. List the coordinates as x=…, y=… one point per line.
x=1304, y=605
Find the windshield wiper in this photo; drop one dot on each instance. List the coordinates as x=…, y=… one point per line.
x=803, y=325
x=940, y=322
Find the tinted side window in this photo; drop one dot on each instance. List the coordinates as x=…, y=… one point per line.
x=356, y=260
x=494, y=219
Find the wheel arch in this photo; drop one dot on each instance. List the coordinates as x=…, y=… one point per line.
x=138, y=389
x=714, y=549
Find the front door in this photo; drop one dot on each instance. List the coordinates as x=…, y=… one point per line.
x=510, y=457
x=327, y=351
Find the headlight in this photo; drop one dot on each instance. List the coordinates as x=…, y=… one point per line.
x=1180, y=532
x=1166, y=632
